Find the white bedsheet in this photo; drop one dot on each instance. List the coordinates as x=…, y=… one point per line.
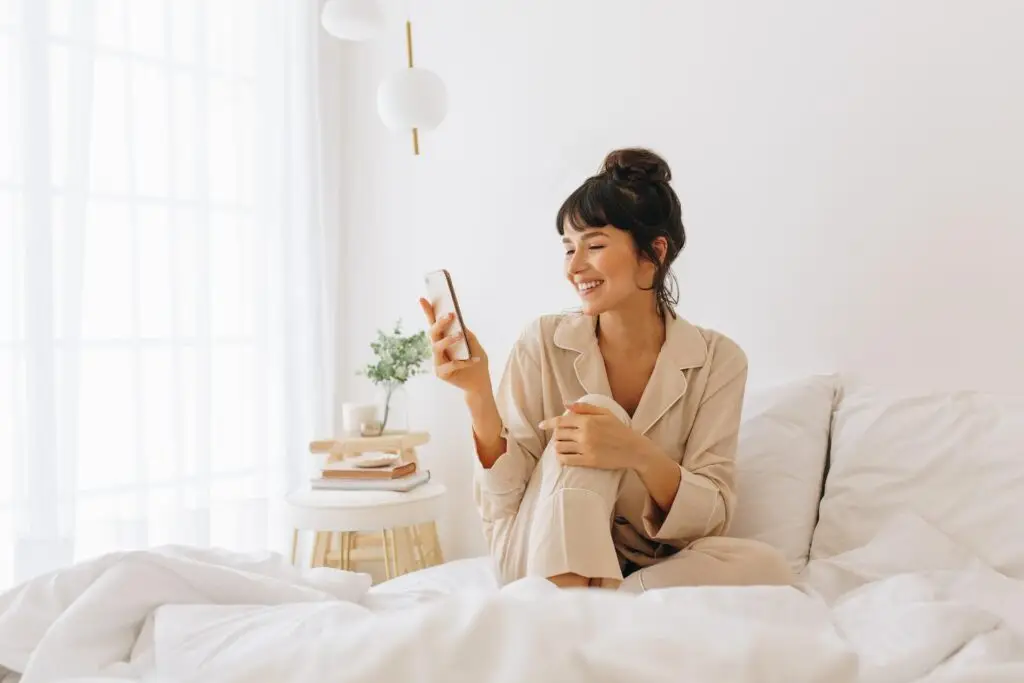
x=908, y=606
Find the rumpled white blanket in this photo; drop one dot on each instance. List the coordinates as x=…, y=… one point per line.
x=529, y=631
x=909, y=606
x=97, y=617
x=916, y=606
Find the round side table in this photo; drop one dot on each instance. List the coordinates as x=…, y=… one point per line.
x=402, y=524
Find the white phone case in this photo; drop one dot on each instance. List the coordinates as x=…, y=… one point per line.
x=441, y=295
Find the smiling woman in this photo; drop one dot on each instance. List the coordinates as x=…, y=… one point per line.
x=631, y=207
x=606, y=456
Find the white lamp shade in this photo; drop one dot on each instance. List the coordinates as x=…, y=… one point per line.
x=353, y=19
x=412, y=98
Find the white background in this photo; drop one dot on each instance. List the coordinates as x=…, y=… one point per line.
x=851, y=176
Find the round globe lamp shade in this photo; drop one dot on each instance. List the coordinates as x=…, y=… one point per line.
x=412, y=98
x=355, y=20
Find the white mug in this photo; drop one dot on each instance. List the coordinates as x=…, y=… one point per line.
x=354, y=415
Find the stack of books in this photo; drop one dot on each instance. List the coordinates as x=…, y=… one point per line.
x=351, y=475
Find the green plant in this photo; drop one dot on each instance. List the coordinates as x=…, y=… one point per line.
x=398, y=358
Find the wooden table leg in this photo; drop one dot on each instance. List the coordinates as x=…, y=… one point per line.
x=295, y=545
x=345, y=550
x=418, y=551
x=390, y=561
x=393, y=543
x=435, y=544
x=321, y=544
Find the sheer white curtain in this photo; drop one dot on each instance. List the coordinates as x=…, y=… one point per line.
x=167, y=297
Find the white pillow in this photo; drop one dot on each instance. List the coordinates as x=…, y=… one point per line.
x=956, y=459
x=780, y=463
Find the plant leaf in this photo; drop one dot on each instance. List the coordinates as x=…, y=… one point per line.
x=398, y=357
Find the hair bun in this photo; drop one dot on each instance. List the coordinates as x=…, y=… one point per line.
x=636, y=165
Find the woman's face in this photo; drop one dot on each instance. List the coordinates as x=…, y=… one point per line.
x=602, y=265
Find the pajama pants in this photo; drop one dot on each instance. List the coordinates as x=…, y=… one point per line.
x=564, y=525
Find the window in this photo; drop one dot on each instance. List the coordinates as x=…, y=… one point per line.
x=155, y=385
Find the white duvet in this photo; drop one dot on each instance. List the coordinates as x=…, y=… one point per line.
x=908, y=606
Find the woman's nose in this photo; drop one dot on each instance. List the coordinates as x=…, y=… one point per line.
x=576, y=263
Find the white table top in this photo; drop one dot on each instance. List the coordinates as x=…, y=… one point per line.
x=327, y=510
x=327, y=498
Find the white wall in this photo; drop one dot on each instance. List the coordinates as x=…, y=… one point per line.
x=851, y=176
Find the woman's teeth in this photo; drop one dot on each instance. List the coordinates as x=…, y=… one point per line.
x=584, y=287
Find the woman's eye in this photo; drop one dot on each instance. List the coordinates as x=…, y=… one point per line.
x=596, y=247
x=570, y=252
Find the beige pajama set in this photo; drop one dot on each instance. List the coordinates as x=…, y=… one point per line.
x=542, y=519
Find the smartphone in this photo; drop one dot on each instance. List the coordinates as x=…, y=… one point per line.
x=441, y=295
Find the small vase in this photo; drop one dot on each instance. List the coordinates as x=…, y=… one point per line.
x=394, y=409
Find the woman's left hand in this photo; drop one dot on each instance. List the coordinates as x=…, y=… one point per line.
x=589, y=436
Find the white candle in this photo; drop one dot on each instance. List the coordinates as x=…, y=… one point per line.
x=354, y=415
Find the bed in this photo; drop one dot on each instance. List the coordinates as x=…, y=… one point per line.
x=908, y=543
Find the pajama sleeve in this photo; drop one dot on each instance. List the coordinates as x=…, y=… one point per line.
x=703, y=505
x=498, y=490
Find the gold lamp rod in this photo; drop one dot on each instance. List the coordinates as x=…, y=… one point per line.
x=408, y=52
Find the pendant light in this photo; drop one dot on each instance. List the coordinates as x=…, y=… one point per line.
x=412, y=98
x=355, y=20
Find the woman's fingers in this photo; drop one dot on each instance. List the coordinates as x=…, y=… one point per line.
x=446, y=370
x=441, y=345
x=566, y=421
x=572, y=459
x=440, y=326
x=428, y=311
x=434, y=331
x=566, y=446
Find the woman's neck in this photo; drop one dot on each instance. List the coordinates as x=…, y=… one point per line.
x=638, y=329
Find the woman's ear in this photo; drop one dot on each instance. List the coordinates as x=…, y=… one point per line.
x=661, y=248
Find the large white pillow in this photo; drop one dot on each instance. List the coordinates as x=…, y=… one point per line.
x=780, y=463
x=956, y=459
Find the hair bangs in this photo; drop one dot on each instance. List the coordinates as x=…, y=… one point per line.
x=587, y=207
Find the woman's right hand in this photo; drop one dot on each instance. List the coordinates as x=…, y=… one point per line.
x=472, y=376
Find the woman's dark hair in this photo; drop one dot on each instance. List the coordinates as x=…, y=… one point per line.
x=632, y=193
